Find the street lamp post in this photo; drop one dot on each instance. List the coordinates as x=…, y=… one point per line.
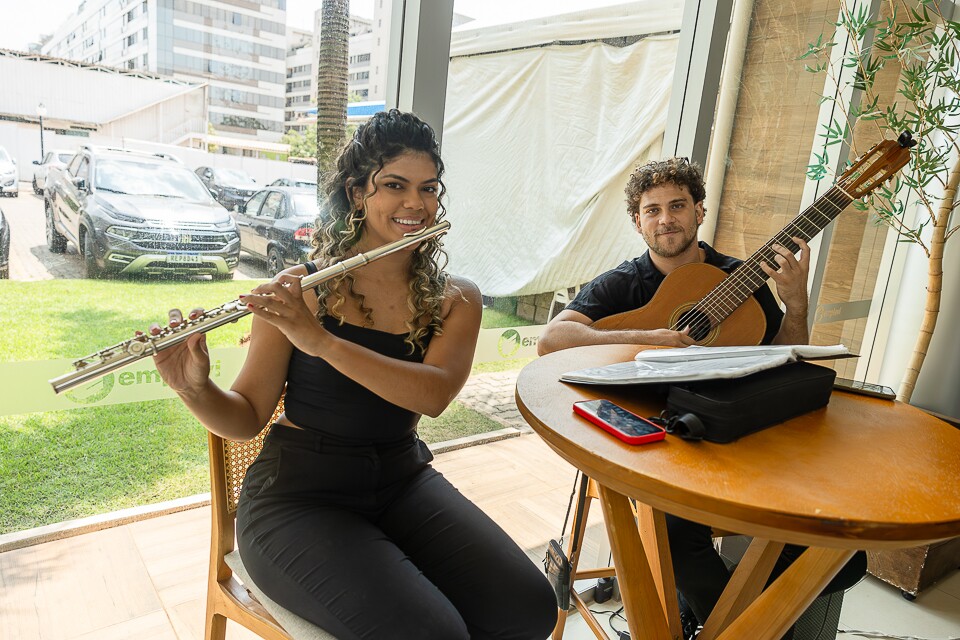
x=41, y=111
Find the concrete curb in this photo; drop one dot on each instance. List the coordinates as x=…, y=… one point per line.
x=70, y=528
x=471, y=441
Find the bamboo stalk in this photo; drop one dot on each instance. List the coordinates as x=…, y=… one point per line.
x=931, y=309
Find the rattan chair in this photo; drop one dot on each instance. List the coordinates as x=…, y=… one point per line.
x=228, y=598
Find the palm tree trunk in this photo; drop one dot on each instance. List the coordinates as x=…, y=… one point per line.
x=332, y=83
x=934, y=286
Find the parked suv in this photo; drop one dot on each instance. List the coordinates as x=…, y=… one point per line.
x=277, y=224
x=229, y=186
x=133, y=212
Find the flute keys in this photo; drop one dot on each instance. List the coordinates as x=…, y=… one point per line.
x=137, y=348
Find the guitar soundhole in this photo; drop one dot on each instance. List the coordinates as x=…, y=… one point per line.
x=698, y=321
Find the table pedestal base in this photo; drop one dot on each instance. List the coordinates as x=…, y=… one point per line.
x=745, y=610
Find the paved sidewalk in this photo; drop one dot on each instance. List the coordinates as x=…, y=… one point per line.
x=492, y=394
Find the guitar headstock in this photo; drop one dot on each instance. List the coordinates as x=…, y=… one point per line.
x=878, y=164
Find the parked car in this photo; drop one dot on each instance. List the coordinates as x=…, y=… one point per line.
x=291, y=182
x=133, y=212
x=56, y=159
x=276, y=225
x=9, y=180
x=229, y=186
x=4, y=247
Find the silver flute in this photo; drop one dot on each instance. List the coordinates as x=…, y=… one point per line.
x=102, y=362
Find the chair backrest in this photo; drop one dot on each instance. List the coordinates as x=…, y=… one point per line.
x=562, y=297
x=228, y=466
x=226, y=597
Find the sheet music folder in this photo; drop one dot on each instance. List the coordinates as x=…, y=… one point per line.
x=702, y=363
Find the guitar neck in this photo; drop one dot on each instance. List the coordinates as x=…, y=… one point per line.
x=748, y=277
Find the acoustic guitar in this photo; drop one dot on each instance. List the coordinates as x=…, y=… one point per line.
x=720, y=308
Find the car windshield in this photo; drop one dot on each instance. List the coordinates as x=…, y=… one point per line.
x=232, y=175
x=306, y=205
x=305, y=183
x=162, y=180
x=64, y=157
x=4, y=156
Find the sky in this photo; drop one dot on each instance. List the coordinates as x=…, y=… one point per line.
x=23, y=22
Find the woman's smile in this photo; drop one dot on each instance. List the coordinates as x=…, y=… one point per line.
x=409, y=223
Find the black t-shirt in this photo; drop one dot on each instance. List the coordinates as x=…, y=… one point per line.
x=632, y=284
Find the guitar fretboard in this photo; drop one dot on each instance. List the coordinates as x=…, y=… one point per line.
x=727, y=296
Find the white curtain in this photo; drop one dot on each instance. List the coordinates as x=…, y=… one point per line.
x=539, y=143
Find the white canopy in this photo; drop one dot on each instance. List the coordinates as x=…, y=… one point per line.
x=539, y=142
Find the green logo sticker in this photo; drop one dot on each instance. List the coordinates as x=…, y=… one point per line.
x=93, y=392
x=509, y=343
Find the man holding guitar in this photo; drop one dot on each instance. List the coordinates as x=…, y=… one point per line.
x=665, y=202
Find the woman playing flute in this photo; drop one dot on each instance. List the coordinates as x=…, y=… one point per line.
x=341, y=519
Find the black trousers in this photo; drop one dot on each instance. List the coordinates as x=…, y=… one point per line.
x=372, y=542
x=701, y=574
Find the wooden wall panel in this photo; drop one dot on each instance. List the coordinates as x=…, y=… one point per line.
x=775, y=121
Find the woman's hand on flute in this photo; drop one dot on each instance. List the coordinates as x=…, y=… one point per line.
x=184, y=367
x=280, y=302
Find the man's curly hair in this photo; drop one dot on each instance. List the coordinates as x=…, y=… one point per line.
x=679, y=171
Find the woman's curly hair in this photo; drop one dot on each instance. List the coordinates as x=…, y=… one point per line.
x=679, y=171
x=383, y=138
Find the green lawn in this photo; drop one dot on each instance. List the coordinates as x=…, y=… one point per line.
x=60, y=465
x=494, y=318
x=66, y=318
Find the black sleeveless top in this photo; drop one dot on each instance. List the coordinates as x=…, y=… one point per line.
x=321, y=399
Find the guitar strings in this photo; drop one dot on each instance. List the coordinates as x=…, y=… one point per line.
x=730, y=293
x=733, y=291
x=727, y=296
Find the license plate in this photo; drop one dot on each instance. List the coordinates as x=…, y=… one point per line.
x=183, y=259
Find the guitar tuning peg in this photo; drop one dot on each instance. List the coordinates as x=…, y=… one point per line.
x=906, y=140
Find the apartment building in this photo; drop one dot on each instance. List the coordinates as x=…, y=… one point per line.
x=239, y=48
x=362, y=34
x=301, y=88
x=301, y=79
x=367, y=66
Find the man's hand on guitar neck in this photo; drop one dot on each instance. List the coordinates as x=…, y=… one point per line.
x=791, y=279
x=572, y=329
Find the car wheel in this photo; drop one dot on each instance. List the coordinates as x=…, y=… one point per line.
x=274, y=261
x=56, y=242
x=36, y=189
x=92, y=269
x=16, y=194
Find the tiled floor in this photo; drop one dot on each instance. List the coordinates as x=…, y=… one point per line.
x=147, y=580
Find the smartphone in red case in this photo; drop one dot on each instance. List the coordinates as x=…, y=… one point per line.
x=619, y=422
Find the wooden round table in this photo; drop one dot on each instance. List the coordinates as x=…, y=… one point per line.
x=861, y=473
